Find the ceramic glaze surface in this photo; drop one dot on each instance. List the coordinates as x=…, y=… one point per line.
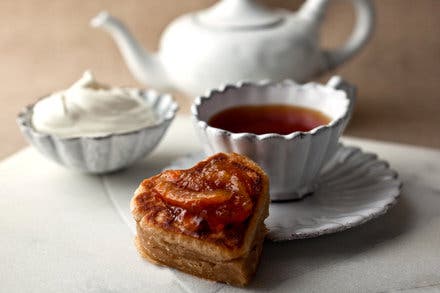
x=292, y=161
x=238, y=55
x=107, y=153
x=238, y=40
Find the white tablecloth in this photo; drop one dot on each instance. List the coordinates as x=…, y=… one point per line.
x=62, y=231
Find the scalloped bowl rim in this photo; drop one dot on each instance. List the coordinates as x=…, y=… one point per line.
x=25, y=121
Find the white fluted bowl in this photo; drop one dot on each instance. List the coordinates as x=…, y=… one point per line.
x=103, y=154
x=292, y=161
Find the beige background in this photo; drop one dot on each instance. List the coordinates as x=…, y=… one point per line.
x=45, y=45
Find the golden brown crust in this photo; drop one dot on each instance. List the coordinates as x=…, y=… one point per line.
x=235, y=248
x=236, y=272
x=151, y=210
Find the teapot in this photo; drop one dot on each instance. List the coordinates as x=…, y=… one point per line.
x=238, y=40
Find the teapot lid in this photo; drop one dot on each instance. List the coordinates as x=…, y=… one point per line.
x=238, y=14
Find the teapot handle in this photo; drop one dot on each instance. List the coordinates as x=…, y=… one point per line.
x=361, y=33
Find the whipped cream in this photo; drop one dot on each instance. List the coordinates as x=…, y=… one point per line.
x=89, y=108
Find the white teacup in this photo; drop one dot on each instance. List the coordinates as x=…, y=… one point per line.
x=292, y=161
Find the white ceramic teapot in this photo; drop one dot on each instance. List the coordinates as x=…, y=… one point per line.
x=238, y=40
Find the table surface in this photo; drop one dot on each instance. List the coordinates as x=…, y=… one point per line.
x=46, y=45
x=63, y=231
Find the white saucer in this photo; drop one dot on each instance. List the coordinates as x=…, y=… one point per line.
x=354, y=187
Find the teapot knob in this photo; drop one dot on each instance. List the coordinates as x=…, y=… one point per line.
x=238, y=14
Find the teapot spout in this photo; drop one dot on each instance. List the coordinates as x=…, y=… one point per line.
x=145, y=67
x=313, y=10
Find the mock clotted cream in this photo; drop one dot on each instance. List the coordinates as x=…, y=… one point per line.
x=89, y=108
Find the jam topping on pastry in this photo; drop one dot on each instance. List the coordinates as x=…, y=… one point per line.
x=214, y=196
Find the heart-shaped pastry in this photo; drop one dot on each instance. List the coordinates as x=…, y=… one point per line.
x=207, y=220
